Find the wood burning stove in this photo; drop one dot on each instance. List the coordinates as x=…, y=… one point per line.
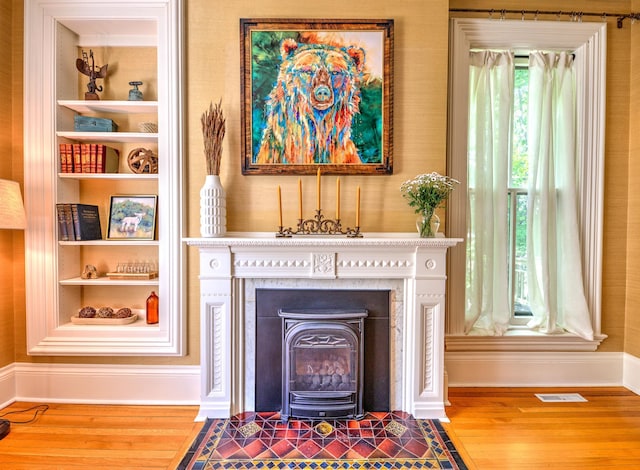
x=322, y=363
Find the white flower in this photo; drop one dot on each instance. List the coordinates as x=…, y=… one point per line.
x=427, y=191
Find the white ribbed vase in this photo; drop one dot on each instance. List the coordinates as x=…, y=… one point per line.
x=213, y=208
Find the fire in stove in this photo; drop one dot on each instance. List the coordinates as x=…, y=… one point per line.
x=323, y=370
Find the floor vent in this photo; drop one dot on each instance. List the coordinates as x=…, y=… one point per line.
x=560, y=397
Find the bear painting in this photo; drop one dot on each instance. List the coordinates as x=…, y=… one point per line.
x=311, y=107
x=315, y=100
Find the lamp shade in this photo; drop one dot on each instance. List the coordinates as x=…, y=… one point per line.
x=12, y=214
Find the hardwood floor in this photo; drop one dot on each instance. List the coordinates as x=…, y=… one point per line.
x=98, y=437
x=493, y=428
x=510, y=428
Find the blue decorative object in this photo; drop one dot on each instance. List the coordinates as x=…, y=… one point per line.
x=93, y=124
x=134, y=93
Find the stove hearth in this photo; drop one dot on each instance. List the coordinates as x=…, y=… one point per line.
x=322, y=363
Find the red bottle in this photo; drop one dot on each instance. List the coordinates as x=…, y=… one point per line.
x=152, y=309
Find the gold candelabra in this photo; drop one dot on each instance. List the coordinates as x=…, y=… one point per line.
x=319, y=225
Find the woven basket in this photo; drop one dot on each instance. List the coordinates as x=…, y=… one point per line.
x=148, y=127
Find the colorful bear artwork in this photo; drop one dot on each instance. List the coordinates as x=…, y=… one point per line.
x=309, y=112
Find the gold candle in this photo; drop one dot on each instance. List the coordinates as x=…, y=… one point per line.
x=299, y=198
x=280, y=206
x=338, y=198
x=318, y=188
x=358, y=206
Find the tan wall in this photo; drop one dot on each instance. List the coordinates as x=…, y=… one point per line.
x=6, y=236
x=632, y=326
x=420, y=62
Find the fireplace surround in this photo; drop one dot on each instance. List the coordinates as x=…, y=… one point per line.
x=226, y=264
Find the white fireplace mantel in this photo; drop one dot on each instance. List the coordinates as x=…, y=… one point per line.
x=225, y=262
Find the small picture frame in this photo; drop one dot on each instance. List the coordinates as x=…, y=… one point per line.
x=132, y=217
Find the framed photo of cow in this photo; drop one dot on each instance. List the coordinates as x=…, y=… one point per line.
x=316, y=94
x=132, y=217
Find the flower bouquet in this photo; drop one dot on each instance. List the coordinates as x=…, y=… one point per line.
x=425, y=193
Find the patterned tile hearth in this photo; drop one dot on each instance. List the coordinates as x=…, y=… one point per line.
x=384, y=440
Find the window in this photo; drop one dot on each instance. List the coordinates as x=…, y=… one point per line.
x=588, y=42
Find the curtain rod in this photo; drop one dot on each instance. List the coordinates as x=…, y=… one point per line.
x=574, y=15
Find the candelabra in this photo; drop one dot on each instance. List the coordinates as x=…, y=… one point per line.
x=318, y=225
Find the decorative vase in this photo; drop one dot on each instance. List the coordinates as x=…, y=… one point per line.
x=213, y=208
x=427, y=223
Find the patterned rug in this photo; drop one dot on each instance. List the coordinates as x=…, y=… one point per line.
x=383, y=440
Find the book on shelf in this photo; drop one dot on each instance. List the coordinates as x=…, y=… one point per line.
x=66, y=158
x=107, y=159
x=65, y=222
x=77, y=161
x=78, y=222
x=88, y=158
x=84, y=158
x=86, y=222
x=63, y=231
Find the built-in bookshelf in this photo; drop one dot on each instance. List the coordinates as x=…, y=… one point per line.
x=56, y=34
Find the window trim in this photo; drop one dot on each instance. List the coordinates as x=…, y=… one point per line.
x=589, y=41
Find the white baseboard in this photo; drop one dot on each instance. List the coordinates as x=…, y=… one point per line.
x=632, y=373
x=534, y=369
x=7, y=385
x=180, y=385
x=110, y=384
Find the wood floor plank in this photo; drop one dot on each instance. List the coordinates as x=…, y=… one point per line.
x=97, y=436
x=492, y=428
x=510, y=428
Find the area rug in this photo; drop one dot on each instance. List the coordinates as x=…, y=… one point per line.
x=383, y=440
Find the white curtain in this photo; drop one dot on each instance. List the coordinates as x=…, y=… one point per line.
x=490, y=113
x=554, y=276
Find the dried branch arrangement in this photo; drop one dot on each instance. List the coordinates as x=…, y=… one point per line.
x=213, y=126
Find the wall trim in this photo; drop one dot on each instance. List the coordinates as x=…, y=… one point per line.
x=107, y=384
x=536, y=369
x=180, y=385
x=631, y=373
x=7, y=385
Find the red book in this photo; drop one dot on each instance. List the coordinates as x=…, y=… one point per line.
x=93, y=151
x=108, y=159
x=85, y=155
x=63, y=158
x=77, y=159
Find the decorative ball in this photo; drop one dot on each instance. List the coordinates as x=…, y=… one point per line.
x=124, y=312
x=142, y=160
x=87, y=312
x=105, y=312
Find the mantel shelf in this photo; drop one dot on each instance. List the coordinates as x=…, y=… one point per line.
x=268, y=239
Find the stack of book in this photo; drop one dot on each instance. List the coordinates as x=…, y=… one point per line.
x=78, y=222
x=88, y=158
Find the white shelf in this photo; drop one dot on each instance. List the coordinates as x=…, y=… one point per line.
x=105, y=281
x=114, y=107
x=112, y=242
x=108, y=176
x=109, y=136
